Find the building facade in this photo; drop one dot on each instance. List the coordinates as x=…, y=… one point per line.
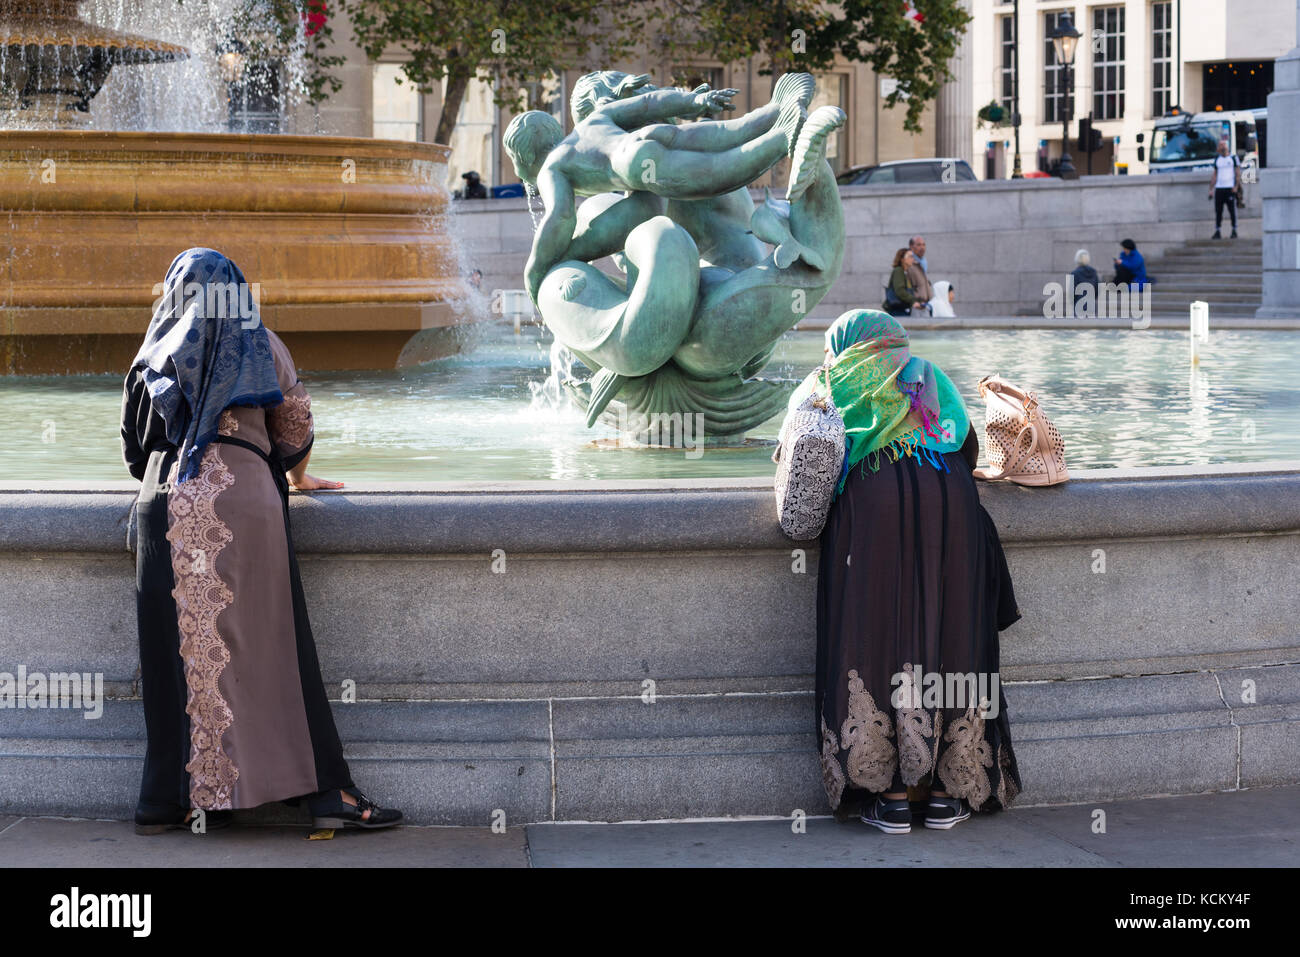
x=1136, y=61
x=375, y=102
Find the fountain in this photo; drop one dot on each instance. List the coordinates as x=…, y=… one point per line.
x=346, y=236
x=54, y=63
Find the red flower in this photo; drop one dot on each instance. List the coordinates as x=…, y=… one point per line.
x=315, y=16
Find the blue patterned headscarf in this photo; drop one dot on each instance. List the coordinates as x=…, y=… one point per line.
x=206, y=349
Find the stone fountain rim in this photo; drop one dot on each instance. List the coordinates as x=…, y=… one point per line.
x=179, y=141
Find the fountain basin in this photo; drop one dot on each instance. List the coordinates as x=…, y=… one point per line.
x=346, y=236
x=478, y=691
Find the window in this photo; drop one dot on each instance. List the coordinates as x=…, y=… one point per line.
x=917, y=173
x=1107, y=63
x=1162, y=57
x=398, y=105
x=1007, y=29
x=1054, y=92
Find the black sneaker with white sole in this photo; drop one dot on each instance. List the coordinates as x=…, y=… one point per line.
x=942, y=813
x=892, y=817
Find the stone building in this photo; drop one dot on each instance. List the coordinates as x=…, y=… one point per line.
x=1136, y=60
x=373, y=101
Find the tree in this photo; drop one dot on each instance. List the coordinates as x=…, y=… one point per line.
x=512, y=42
x=807, y=35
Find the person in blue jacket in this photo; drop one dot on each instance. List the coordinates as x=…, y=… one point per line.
x=1130, y=267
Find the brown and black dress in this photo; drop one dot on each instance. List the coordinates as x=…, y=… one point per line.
x=235, y=710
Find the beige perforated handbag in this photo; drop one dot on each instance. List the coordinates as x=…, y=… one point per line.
x=1021, y=442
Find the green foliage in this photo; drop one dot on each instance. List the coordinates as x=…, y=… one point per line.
x=992, y=113
x=512, y=42
x=863, y=31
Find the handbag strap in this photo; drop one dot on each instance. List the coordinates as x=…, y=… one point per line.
x=1022, y=455
x=820, y=400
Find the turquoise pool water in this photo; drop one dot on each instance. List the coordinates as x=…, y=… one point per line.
x=1119, y=397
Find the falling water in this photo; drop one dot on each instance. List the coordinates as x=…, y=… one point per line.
x=187, y=95
x=549, y=394
x=534, y=211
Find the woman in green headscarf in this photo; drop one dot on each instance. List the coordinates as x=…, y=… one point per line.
x=912, y=590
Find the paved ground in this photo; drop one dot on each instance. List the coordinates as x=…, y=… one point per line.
x=1257, y=828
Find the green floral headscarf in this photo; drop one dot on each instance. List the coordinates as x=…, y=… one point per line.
x=892, y=402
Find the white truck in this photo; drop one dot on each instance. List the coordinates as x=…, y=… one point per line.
x=1190, y=141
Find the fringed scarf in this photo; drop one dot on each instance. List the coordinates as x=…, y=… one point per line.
x=893, y=403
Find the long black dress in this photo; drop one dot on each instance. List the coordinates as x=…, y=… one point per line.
x=235, y=711
x=912, y=580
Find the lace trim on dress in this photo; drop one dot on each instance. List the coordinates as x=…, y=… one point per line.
x=832, y=773
x=865, y=734
x=197, y=537
x=290, y=422
x=915, y=732
x=962, y=766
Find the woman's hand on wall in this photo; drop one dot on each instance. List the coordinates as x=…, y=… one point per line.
x=309, y=483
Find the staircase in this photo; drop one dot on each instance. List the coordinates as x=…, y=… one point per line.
x=1226, y=273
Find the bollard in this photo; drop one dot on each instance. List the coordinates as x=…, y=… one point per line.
x=515, y=303
x=1200, y=327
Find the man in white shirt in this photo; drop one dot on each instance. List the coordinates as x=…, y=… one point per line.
x=1225, y=188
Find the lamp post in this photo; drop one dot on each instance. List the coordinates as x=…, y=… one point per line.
x=1065, y=40
x=1016, y=172
x=231, y=60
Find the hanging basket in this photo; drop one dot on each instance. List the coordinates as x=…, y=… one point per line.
x=993, y=113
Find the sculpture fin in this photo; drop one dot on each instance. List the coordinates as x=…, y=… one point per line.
x=604, y=386
x=798, y=86
x=809, y=152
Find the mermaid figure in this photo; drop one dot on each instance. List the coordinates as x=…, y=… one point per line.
x=701, y=303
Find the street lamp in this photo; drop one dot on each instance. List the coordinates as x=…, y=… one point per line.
x=1016, y=171
x=1065, y=40
x=231, y=60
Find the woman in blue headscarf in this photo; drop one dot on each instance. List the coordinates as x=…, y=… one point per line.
x=912, y=584
x=217, y=428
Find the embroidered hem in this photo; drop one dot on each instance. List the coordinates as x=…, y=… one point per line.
x=197, y=537
x=878, y=745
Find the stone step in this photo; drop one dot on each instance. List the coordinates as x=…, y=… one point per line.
x=612, y=759
x=1199, y=285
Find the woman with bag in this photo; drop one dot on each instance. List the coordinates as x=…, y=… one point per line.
x=900, y=293
x=216, y=426
x=912, y=583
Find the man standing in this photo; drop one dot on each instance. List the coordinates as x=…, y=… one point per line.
x=1225, y=188
x=919, y=271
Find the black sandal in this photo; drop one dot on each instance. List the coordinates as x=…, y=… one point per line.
x=331, y=811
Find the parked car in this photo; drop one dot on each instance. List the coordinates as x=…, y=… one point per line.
x=908, y=171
